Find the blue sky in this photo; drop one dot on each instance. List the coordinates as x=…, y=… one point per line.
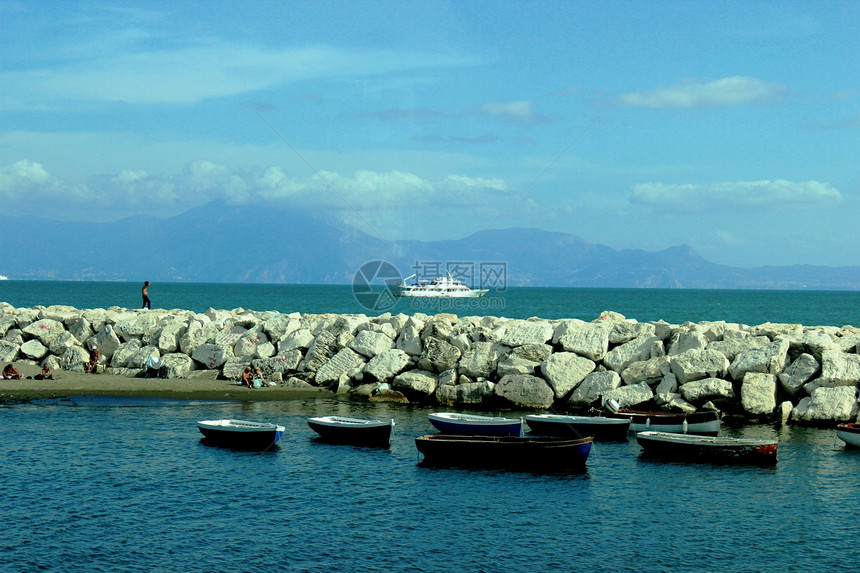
x=732, y=127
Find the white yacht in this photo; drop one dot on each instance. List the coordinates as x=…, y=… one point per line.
x=445, y=287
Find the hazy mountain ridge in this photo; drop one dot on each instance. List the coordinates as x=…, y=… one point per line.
x=226, y=243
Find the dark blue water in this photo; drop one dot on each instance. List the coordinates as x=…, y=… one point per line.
x=812, y=308
x=99, y=488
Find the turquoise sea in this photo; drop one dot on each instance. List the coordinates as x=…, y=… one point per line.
x=811, y=308
x=100, y=484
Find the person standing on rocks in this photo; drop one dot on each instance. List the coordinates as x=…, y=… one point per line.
x=145, y=292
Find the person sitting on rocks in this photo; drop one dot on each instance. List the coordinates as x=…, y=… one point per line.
x=247, y=377
x=45, y=374
x=11, y=373
x=93, y=364
x=259, y=381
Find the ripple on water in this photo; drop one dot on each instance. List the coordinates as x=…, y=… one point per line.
x=134, y=488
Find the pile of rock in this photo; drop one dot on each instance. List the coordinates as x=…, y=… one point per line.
x=765, y=372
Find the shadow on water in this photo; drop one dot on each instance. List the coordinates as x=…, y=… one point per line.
x=119, y=402
x=657, y=459
x=318, y=441
x=270, y=449
x=442, y=469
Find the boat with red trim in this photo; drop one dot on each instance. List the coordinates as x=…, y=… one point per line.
x=849, y=433
x=689, y=447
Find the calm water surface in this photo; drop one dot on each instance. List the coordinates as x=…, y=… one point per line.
x=812, y=308
x=101, y=486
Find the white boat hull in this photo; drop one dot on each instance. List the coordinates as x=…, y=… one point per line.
x=849, y=433
x=475, y=293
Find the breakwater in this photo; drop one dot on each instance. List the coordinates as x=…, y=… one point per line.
x=790, y=372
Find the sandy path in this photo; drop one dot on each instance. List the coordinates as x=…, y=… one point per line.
x=204, y=386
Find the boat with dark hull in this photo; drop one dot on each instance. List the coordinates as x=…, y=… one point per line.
x=709, y=448
x=849, y=433
x=598, y=427
x=241, y=434
x=356, y=431
x=503, y=451
x=472, y=424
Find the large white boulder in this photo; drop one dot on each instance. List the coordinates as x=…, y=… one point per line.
x=8, y=351
x=627, y=330
x=416, y=385
x=697, y=364
x=563, y=371
x=370, y=343
x=758, y=393
x=45, y=330
x=707, y=389
x=650, y=371
x=798, y=373
x=106, y=340
x=641, y=348
x=346, y=362
x=588, y=340
x=527, y=332
x=438, y=355
x=386, y=365
x=627, y=396
x=33, y=349
x=300, y=338
x=688, y=341
x=481, y=359
x=769, y=359
x=212, y=356
x=731, y=346
x=592, y=388
x=409, y=340
x=839, y=369
x=524, y=391
x=176, y=366
x=828, y=404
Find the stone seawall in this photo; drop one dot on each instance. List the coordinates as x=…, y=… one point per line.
x=769, y=372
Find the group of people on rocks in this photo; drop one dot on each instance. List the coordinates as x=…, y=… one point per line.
x=253, y=378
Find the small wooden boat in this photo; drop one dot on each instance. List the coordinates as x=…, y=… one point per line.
x=471, y=424
x=849, y=433
x=241, y=433
x=503, y=451
x=706, y=423
x=709, y=448
x=597, y=427
x=359, y=431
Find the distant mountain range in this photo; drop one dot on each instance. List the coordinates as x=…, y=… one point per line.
x=239, y=244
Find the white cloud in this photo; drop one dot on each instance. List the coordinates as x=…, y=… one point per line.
x=24, y=178
x=475, y=182
x=27, y=184
x=510, y=111
x=734, y=194
x=191, y=74
x=690, y=94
